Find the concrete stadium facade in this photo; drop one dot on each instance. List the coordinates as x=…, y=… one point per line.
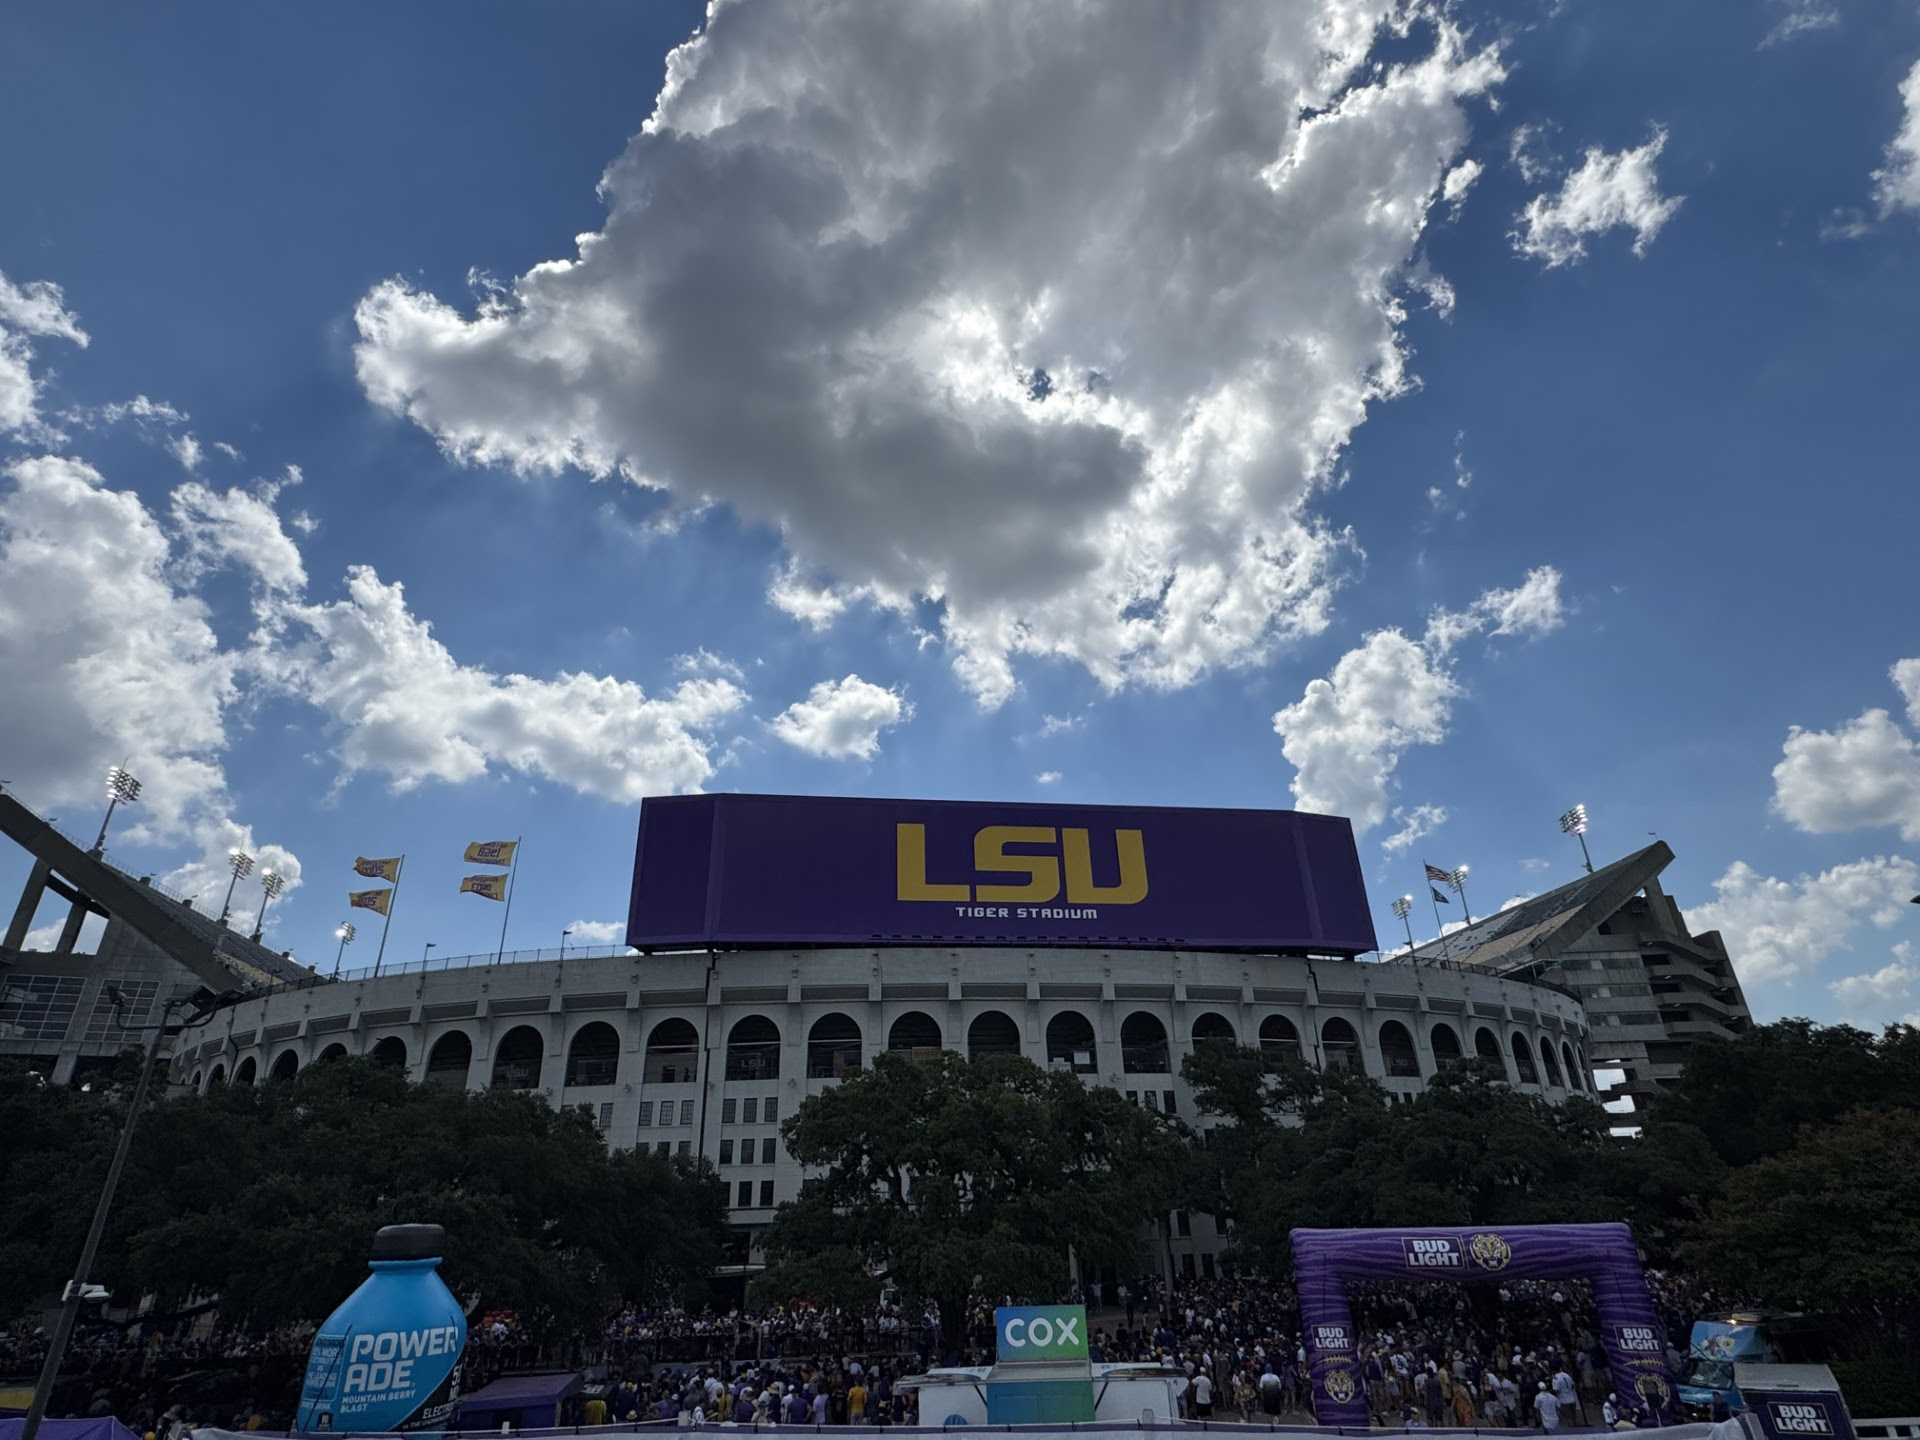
x=706, y=1053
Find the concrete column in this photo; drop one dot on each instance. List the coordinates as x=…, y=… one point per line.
x=29, y=903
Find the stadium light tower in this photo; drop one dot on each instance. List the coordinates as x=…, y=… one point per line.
x=563, y=941
x=241, y=865
x=1457, y=882
x=1574, y=822
x=1402, y=908
x=345, y=936
x=273, y=882
x=122, y=789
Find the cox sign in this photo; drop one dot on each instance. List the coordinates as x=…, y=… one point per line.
x=1041, y=1332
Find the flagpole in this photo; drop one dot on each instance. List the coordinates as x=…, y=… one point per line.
x=1438, y=924
x=392, y=895
x=512, y=870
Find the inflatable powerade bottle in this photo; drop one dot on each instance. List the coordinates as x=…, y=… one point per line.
x=389, y=1358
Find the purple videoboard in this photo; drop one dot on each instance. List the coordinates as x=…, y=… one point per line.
x=741, y=870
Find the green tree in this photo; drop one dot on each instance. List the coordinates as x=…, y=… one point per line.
x=960, y=1177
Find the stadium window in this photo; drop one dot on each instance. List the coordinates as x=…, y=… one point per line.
x=833, y=1047
x=1279, y=1041
x=1186, y=1266
x=593, y=1056
x=663, y=1149
x=1153, y=1099
x=1133, y=1097
x=673, y=1052
x=770, y=1112
x=750, y=1111
x=646, y=1113
x=1206, y=1267
x=1523, y=1060
x=1183, y=1222
x=1341, y=1045
x=606, y=1116
x=766, y=1151
x=1167, y=1102
x=745, y=1193
x=1143, y=1045
x=1396, y=1049
x=726, y=1152
x=766, y=1194
x=686, y=1112
x=753, y=1049
x=728, y=1108
x=1446, y=1044
x=1213, y=1026
x=1070, y=1042
x=686, y=1147
x=1219, y=1224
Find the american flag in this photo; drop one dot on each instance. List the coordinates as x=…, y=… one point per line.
x=1434, y=872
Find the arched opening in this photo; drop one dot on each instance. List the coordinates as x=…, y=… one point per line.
x=1486, y=1045
x=198, y=1076
x=1446, y=1044
x=673, y=1052
x=1341, y=1044
x=833, y=1047
x=390, y=1051
x=1574, y=1077
x=992, y=1033
x=1213, y=1026
x=1523, y=1060
x=451, y=1059
x=1397, y=1052
x=285, y=1066
x=1143, y=1045
x=1547, y=1062
x=218, y=1077
x=593, y=1056
x=246, y=1072
x=333, y=1052
x=1279, y=1042
x=516, y=1059
x=915, y=1030
x=753, y=1049
x=1070, y=1042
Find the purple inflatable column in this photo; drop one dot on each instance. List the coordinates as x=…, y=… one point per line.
x=1635, y=1343
x=1333, y=1355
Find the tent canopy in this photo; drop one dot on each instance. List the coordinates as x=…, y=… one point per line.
x=105, y=1428
x=534, y=1399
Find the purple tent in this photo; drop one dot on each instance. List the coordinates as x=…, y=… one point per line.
x=527, y=1402
x=1603, y=1255
x=104, y=1428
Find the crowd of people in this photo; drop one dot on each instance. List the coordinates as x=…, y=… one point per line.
x=1524, y=1354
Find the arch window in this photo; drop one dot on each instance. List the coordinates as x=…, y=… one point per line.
x=1486, y=1046
x=1446, y=1044
x=673, y=1052
x=218, y=1077
x=1397, y=1052
x=992, y=1032
x=285, y=1067
x=1143, y=1045
x=833, y=1047
x=333, y=1052
x=915, y=1030
x=1070, y=1042
x=516, y=1059
x=1341, y=1044
x=246, y=1072
x=1574, y=1077
x=1212, y=1027
x=1523, y=1060
x=753, y=1049
x=198, y=1076
x=451, y=1058
x=1547, y=1062
x=390, y=1051
x=1279, y=1041
x=593, y=1056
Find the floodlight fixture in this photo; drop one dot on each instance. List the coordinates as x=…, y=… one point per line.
x=1574, y=823
x=1457, y=882
x=1402, y=908
x=239, y=866
x=272, y=882
x=122, y=789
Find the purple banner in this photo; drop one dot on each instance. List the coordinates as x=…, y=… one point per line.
x=797, y=870
x=1324, y=1261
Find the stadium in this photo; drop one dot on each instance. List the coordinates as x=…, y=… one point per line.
x=778, y=942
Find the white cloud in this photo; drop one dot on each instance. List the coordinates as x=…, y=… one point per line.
x=825, y=298
x=141, y=411
x=186, y=450
x=1047, y=777
x=597, y=932
x=1607, y=191
x=407, y=709
x=35, y=308
x=842, y=719
x=1876, y=995
x=1415, y=825
x=1897, y=185
x=1778, y=930
x=1527, y=152
x=1865, y=773
x=1051, y=725
x=1533, y=607
x=227, y=450
x=241, y=528
x=1801, y=17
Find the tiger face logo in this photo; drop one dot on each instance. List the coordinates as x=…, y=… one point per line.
x=1490, y=1252
x=1339, y=1386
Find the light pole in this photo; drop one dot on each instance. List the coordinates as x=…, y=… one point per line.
x=1402, y=908
x=241, y=864
x=563, y=941
x=431, y=946
x=345, y=936
x=1457, y=882
x=203, y=1002
x=122, y=789
x=273, y=882
x=1574, y=822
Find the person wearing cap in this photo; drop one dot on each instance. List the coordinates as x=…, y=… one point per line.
x=1546, y=1407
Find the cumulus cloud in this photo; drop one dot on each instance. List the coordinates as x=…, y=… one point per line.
x=842, y=719
x=1778, y=930
x=1877, y=994
x=36, y=308
x=597, y=932
x=1345, y=735
x=1865, y=773
x=1896, y=185
x=1047, y=777
x=1801, y=17
x=1606, y=192
x=1415, y=825
x=409, y=710
x=873, y=275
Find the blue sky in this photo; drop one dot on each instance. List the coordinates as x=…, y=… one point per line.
x=1470, y=412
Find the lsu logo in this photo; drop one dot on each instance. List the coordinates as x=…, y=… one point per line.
x=1799, y=1417
x=1339, y=1386
x=1490, y=1252
x=1438, y=1253
x=1637, y=1339
x=1043, y=869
